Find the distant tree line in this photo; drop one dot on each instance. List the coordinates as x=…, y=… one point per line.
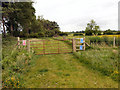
x=19, y=19
x=93, y=29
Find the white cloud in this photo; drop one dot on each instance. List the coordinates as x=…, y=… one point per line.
x=72, y=15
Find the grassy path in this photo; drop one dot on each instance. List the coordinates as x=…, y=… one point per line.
x=64, y=71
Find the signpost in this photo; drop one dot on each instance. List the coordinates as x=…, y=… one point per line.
x=24, y=42
x=81, y=44
x=81, y=40
x=18, y=42
x=81, y=47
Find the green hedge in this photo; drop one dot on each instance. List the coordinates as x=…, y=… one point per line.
x=100, y=40
x=77, y=34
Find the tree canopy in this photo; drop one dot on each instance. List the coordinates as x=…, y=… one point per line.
x=92, y=28
x=20, y=20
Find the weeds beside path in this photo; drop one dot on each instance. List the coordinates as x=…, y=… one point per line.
x=64, y=71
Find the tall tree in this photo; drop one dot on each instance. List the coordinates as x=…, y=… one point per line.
x=92, y=28
x=18, y=14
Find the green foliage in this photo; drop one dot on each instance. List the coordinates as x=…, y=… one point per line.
x=118, y=32
x=92, y=28
x=21, y=21
x=99, y=33
x=100, y=40
x=33, y=35
x=20, y=15
x=95, y=40
x=108, y=32
x=15, y=62
x=88, y=32
x=41, y=34
x=49, y=33
x=63, y=34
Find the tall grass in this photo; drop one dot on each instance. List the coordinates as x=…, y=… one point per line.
x=100, y=40
x=15, y=62
x=104, y=60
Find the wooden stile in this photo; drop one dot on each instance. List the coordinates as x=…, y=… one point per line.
x=79, y=44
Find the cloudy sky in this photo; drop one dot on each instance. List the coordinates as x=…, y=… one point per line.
x=73, y=15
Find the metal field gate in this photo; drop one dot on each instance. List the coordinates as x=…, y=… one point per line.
x=41, y=47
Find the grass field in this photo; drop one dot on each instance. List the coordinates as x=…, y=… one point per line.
x=64, y=71
x=97, y=67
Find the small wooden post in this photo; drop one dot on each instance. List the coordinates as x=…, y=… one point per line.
x=84, y=43
x=114, y=42
x=74, y=45
x=28, y=45
x=18, y=42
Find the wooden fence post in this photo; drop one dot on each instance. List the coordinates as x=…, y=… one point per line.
x=28, y=45
x=84, y=43
x=114, y=42
x=74, y=45
x=18, y=42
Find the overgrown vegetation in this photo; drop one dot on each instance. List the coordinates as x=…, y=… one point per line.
x=104, y=60
x=103, y=40
x=15, y=63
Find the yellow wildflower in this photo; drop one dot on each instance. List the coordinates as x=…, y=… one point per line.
x=12, y=78
x=116, y=72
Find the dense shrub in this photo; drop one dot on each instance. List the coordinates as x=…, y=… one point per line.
x=99, y=33
x=88, y=32
x=118, y=32
x=63, y=34
x=33, y=35
x=22, y=34
x=77, y=34
x=108, y=32
x=100, y=40
x=41, y=34
x=95, y=40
